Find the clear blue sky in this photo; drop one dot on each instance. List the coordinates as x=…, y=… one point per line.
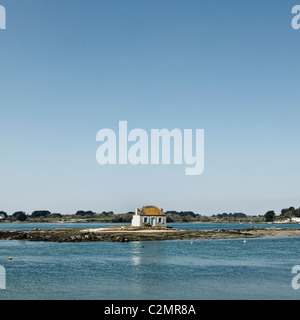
x=69, y=68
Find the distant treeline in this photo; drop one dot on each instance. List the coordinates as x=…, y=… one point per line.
x=229, y=215
x=172, y=216
x=286, y=213
x=290, y=212
x=191, y=215
x=80, y=214
x=182, y=213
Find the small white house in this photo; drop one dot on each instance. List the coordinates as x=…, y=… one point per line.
x=150, y=215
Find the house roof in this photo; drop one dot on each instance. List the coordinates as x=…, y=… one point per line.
x=151, y=211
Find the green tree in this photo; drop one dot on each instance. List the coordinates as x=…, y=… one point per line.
x=20, y=215
x=270, y=216
x=84, y=213
x=40, y=213
x=284, y=211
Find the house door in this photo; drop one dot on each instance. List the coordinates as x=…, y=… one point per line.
x=152, y=221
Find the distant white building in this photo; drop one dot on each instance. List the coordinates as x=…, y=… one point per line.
x=2, y=216
x=149, y=215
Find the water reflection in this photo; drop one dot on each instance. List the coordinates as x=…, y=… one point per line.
x=147, y=252
x=136, y=252
x=146, y=259
x=136, y=260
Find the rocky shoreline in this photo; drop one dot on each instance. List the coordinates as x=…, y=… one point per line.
x=126, y=234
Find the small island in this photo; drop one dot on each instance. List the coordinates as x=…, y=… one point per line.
x=148, y=223
x=129, y=233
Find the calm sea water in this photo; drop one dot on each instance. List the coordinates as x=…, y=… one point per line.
x=208, y=269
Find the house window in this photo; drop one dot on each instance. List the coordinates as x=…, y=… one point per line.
x=145, y=220
x=160, y=220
